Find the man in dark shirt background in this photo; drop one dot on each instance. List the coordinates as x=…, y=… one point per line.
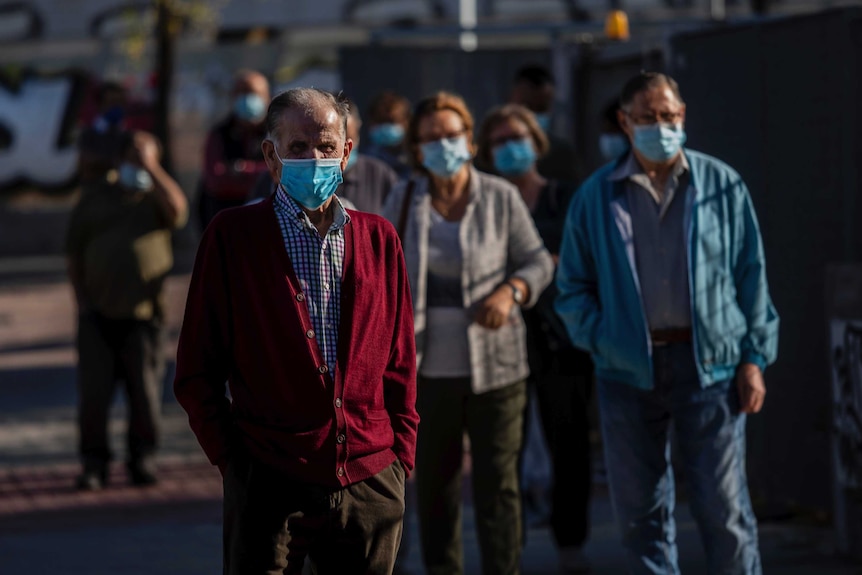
x=367, y=180
x=233, y=161
x=534, y=89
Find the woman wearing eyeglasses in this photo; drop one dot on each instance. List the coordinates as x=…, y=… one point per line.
x=474, y=259
x=510, y=142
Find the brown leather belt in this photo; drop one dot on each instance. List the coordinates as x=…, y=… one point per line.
x=672, y=335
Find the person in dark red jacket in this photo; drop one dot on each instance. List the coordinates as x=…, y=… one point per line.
x=305, y=310
x=232, y=154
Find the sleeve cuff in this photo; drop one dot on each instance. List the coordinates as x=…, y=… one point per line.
x=757, y=359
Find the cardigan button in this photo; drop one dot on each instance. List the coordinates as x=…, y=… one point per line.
x=322, y=369
x=340, y=438
x=337, y=402
x=300, y=297
x=340, y=472
x=309, y=334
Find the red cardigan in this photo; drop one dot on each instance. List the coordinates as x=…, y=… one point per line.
x=246, y=322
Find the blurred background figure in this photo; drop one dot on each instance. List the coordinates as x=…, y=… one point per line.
x=233, y=160
x=533, y=88
x=613, y=142
x=388, y=117
x=100, y=145
x=367, y=181
x=510, y=143
x=119, y=252
x=473, y=258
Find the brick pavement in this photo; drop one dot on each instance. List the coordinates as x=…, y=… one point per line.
x=37, y=427
x=36, y=496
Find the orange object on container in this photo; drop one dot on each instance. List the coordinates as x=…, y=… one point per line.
x=617, y=25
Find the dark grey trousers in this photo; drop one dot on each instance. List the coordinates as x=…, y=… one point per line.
x=112, y=351
x=272, y=523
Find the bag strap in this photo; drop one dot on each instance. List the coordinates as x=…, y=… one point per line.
x=405, y=208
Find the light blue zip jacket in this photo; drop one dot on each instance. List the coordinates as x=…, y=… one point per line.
x=733, y=319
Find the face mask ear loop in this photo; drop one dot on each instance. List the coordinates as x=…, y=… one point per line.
x=275, y=149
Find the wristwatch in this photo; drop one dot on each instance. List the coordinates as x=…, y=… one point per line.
x=517, y=294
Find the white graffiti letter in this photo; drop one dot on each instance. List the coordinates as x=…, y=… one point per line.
x=34, y=116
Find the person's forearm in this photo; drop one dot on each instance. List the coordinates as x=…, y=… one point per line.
x=522, y=286
x=169, y=196
x=535, y=272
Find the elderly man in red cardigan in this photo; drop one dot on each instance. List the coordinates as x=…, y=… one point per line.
x=304, y=309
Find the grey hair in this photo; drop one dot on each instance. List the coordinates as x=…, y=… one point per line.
x=646, y=81
x=306, y=99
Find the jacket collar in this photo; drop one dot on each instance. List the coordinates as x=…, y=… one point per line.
x=628, y=166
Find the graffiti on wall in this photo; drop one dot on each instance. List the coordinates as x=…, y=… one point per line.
x=38, y=117
x=846, y=347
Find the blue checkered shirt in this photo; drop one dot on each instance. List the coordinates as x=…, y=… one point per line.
x=319, y=265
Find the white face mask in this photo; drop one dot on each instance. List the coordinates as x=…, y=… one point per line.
x=135, y=178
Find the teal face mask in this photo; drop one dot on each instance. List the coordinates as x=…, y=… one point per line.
x=612, y=146
x=134, y=178
x=386, y=135
x=544, y=121
x=249, y=107
x=515, y=157
x=351, y=159
x=445, y=157
x=310, y=182
x=659, y=142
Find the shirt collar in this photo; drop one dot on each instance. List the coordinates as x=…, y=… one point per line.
x=287, y=205
x=630, y=167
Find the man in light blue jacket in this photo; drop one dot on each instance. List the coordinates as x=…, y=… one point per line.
x=662, y=279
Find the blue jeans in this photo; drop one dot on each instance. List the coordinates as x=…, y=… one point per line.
x=710, y=433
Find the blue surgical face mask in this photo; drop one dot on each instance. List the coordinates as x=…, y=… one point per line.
x=544, y=121
x=659, y=142
x=114, y=115
x=612, y=146
x=109, y=120
x=386, y=135
x=249, y=107
x=134, y=177
x=351, y=159
x=310, y=182
x=515, y=157
x=445, y=157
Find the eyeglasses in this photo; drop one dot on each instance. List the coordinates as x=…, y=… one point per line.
x=446, y=136
x=649, y=119
x=510, y=138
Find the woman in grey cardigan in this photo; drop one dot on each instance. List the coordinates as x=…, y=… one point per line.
x=474, y=258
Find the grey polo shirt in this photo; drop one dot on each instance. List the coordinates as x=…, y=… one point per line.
x=367, y=183
x=659, y=230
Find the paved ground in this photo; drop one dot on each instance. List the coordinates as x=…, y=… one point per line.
x=174, y=528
